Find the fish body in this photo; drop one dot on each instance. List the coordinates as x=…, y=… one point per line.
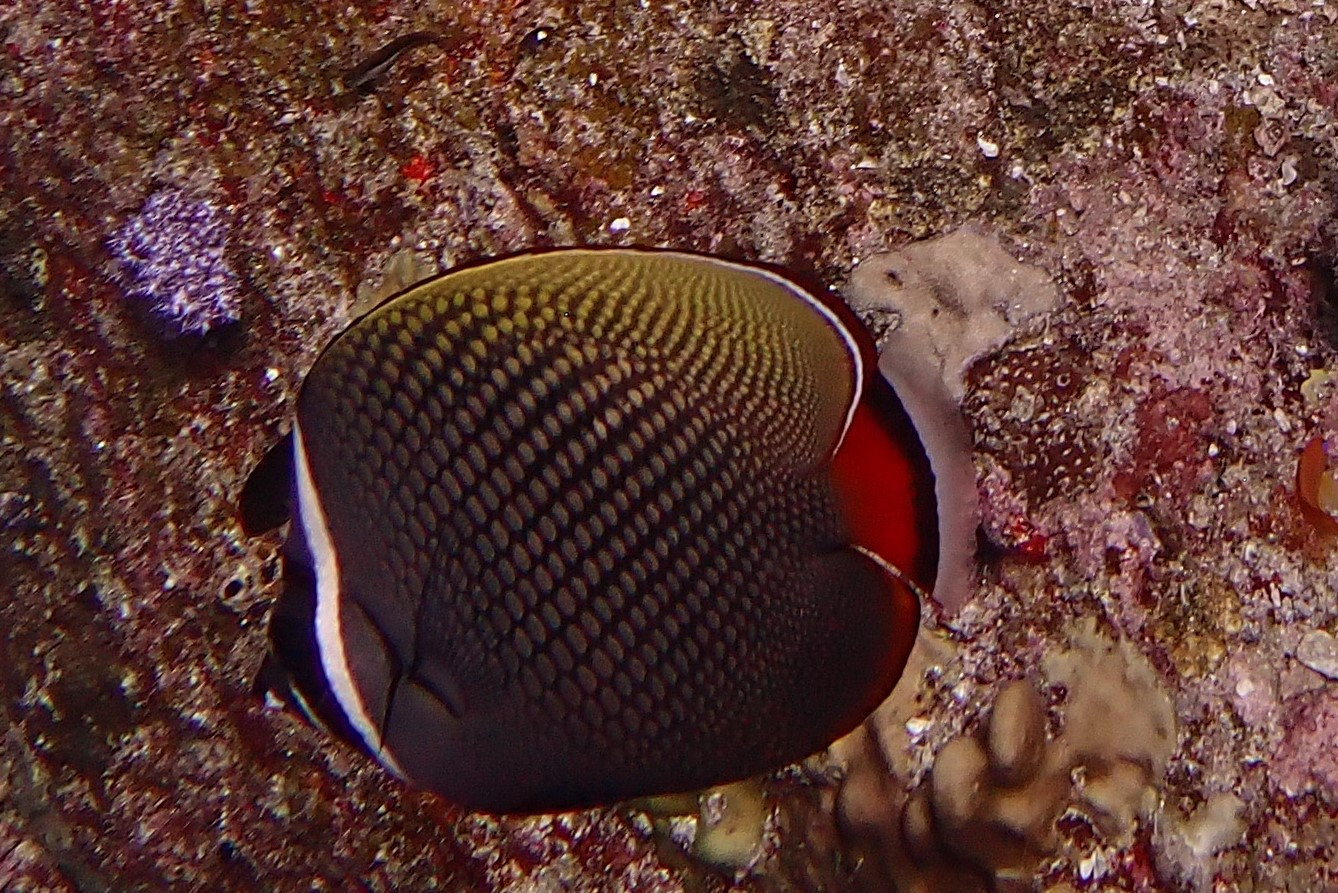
x=579, y=526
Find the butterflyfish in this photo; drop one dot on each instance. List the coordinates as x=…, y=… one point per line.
x=585, y=525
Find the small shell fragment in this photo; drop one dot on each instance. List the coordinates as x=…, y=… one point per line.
x=1318, y=650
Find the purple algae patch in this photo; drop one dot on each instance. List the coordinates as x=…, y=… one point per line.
x=174, y=256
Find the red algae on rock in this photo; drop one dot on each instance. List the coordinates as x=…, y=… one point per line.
x=1307, y=761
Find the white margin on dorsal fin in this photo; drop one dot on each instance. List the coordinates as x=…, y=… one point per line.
x=847, y=337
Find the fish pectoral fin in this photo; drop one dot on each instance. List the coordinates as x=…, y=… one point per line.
x=265, y=501
x=437, y=680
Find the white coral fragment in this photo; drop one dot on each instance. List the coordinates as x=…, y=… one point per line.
x=959, y=297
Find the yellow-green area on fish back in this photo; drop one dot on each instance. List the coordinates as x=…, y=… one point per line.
x=731, y=330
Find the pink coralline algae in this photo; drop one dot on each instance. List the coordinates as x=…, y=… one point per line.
x=174, y=254
x=1306, y=759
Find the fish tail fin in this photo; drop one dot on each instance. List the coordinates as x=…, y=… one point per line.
x=907, y=486
x=940, y=429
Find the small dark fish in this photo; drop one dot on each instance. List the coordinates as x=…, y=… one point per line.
x=580, y=526
x=364, y=76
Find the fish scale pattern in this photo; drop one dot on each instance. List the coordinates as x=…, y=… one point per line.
x=556, y=499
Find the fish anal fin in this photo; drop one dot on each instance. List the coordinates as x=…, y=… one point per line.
x=875, y=612
x=437, y=679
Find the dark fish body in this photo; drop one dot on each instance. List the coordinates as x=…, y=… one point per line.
x=585, y=525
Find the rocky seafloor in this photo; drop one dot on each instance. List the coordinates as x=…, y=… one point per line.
x=1135, y=696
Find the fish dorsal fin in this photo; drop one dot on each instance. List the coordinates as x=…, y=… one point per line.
x=266, y=496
